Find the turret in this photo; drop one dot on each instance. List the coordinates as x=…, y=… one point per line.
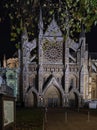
x=40, y=26
x=82, y=44
x=82, y=39
x=40, y=57
x=84, y=64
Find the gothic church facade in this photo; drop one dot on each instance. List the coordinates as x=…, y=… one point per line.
x=61, y=77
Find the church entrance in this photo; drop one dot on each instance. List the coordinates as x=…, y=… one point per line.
x=73, y=100
x=53, y=97
x=53, y=102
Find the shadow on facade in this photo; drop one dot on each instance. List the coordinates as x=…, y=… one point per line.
x=34, y=99
x=73, y=100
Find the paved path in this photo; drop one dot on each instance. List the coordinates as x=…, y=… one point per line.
x=59, y=119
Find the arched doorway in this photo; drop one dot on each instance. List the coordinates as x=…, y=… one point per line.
x=52, y=97
x=31, y=99
x=73, y=100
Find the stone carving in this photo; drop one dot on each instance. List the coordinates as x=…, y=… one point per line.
x=53, y=52
x=53, y=30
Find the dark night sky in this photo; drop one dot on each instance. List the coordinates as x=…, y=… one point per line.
x=92, y=39
x=8, y=48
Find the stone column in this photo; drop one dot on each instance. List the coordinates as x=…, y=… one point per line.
x=67, y=79
x=67, y=65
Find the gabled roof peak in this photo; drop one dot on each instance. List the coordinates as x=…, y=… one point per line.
x=53, y=29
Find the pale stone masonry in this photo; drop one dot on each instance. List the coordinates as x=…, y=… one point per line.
x=62, y=75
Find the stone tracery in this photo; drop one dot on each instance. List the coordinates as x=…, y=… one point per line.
x=53, y=52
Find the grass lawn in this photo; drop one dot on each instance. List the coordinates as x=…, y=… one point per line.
x=29, y=117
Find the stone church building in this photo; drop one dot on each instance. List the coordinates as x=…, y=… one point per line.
x=62, y=74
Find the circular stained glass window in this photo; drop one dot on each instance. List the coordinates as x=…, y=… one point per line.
x=53, y=53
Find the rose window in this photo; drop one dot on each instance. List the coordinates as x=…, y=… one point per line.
x=53, y=53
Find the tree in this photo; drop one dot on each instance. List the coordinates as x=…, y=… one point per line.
x=72, y=13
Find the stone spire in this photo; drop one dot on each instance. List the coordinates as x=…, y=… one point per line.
x=40, y=25
x=4, y=62
x=40, y=56
x=25, y=35
x=82, y=34
x=82, y=41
